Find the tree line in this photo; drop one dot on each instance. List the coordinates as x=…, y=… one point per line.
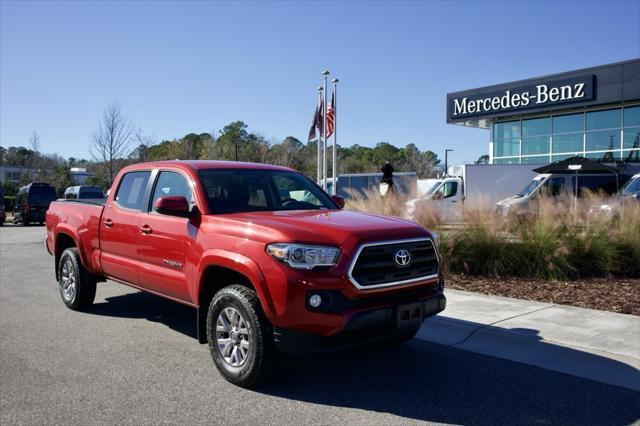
x=117, y=143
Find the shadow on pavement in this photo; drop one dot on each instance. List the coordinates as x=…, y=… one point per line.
x=142, y=305
x=419, y=380
x=430, y=382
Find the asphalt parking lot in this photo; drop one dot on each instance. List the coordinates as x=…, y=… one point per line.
x=134, y=358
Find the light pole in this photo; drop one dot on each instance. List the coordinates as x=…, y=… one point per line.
x=334, y=166
x=325, y=73
x=319, y=89
x=446, y=160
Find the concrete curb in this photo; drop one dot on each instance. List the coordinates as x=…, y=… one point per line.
x=596, y=345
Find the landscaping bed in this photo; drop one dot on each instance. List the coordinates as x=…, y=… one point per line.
x=621, y=295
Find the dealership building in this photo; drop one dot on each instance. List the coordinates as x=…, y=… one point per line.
x=593, y=112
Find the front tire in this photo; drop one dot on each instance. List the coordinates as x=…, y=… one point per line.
x=77, y=286
x=240, y=336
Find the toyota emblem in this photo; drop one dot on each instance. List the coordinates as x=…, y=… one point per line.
x=402, y=257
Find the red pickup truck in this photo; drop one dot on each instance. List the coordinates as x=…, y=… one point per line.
x=269, y=260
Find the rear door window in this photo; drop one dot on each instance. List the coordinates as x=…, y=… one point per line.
x=132, y=189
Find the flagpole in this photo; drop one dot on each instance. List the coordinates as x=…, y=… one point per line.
x=325, y=73
x=334, y=165
x=319, y=140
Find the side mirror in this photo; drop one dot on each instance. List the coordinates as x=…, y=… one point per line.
x=173, y=206
x=338, y=200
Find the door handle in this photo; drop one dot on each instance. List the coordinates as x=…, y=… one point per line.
x=145, y=229
x=108, y=223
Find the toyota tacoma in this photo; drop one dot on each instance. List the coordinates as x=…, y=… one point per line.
x=269, y=261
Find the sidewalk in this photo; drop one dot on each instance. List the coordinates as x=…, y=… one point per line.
x=597, y=345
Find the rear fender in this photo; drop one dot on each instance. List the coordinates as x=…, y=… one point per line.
x=64, y=228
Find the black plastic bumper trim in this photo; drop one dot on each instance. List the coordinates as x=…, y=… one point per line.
x=363, y=328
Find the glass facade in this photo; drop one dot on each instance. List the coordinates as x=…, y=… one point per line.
x=604, y=135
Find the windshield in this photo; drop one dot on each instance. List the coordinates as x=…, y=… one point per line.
x=41, y=195
x=631, y=187
x=90, y=194
x=533, y=185
x=432, y=189
x=244, y=190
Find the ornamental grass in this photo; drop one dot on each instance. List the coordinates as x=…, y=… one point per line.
x=563, y=240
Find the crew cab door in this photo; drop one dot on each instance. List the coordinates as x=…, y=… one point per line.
x=120, y=227
x=165, y=243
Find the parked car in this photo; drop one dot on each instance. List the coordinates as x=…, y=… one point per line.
x=555, y=185
x=83, y=192
x=3, y=215
x=629, y=195
x=631, y=189
x=32, y=202
x=269, y=260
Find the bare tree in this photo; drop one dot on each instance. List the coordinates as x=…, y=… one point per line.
x=36, y=160
x=111, y=140
x=34, y=142
x=142, y=144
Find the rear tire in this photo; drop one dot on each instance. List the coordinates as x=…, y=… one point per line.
x=77, y=286
x=240, y=336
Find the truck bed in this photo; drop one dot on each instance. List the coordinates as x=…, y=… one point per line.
x=80, y=219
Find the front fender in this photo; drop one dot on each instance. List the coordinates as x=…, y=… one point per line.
x=240, y=264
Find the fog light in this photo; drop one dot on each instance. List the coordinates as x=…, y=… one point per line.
x=315, y=301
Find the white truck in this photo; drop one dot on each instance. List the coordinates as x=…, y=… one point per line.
x=473, y=185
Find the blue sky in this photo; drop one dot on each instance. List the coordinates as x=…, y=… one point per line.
x=180, y=67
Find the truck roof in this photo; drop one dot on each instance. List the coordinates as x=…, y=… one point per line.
x=208, y=164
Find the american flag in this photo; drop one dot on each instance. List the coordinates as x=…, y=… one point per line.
x=331, y=115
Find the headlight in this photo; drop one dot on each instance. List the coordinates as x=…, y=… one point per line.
x=302, y=256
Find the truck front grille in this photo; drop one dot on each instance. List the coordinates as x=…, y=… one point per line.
x=393, y=263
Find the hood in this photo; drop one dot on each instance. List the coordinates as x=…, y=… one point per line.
x=323, y=227
x=514, y=199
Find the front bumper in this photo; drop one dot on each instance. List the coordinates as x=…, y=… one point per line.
x=364, y=327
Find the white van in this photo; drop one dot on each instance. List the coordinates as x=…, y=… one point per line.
x=555, y=185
